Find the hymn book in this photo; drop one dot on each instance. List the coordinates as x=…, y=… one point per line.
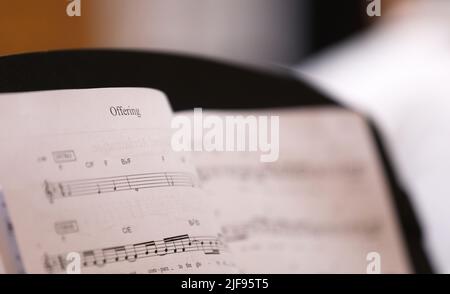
x=91, y=184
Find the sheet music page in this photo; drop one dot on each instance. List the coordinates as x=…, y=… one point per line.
x=3, y=236
x=2, y=267
x=10, y=261
x=90, y=181
x=322, y=207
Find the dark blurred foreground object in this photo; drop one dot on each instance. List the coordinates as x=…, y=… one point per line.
x=191, y=82
x=331, y=22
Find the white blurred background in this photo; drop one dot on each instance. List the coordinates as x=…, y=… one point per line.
x=399, y=73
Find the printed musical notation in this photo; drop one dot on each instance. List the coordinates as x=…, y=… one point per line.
x=171, y=245
x=273, y=227
x=352, y=170
x=136, y=182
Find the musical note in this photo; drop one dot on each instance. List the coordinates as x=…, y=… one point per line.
x=149, y=247
x=89, y=258
x=173, y=241
x=158, y=248
x=131, y=253
x=136, y=182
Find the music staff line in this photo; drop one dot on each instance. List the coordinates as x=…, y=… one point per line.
x=136, y=182
x=172, y=245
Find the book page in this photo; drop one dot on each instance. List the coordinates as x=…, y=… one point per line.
x=4, y=250
x=2, y=267
x=92, y=185
x=322, y=207
x=10, y=261
x=3, y=236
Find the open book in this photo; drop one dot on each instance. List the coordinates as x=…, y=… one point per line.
x=89, y=191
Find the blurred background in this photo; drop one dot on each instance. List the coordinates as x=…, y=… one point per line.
x=252, y=31
x=394, y=67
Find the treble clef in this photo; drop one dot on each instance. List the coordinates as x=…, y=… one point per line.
x=48, y=191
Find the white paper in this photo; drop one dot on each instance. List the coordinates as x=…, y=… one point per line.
x=92, y=172
x=10, y=261
x=2, y=267
x=323, y=207
x=103, y=183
